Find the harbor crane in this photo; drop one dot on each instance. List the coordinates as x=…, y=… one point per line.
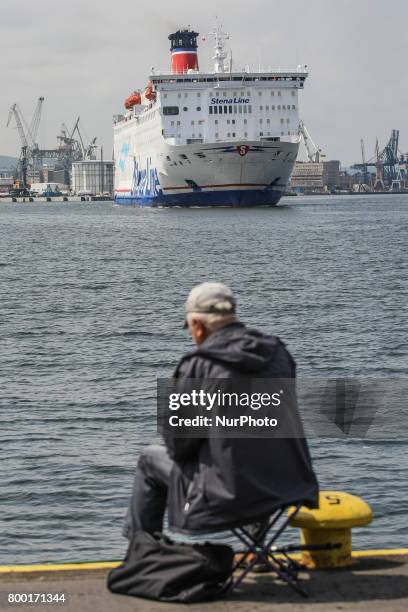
x=387, y=164
x=28, y=136
x=314, y=153
x=71, y=146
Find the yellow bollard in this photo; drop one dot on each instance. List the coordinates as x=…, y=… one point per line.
x=332, y=523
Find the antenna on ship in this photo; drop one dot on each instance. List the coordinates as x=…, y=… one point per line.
x=220, y=54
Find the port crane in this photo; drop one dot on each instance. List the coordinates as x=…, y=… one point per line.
x=387, y=164
x=314, y=153
x=28, y=136
x=71, y=145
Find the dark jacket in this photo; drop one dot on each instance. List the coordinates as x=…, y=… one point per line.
x=219, y=482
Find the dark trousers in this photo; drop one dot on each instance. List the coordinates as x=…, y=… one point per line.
x=149, y=497
x=148, y=502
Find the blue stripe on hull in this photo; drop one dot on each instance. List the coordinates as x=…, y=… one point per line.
x=233, y=197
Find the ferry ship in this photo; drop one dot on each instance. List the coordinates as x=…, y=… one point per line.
x=216, y=138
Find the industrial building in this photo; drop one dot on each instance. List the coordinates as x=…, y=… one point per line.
x=316, y=177
x=91, y=177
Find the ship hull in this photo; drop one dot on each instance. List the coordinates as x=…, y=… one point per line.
x=228, y=198
x=243, y=174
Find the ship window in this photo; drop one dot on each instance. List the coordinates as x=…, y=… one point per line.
x=283, y=107
x=250, y=109
x=248, y=93
x=293, y=107
x=245, y=110
x=216, y=122
x=210, y=110
x=172, y=123
x=224, y=93
x=242, y=93
x=259, y=93
x=272, y=93
x=230, y=110
x=164, y=95
x=235, y=94
x=235, y=110
x=288, y=120
x=185, y=108
x=261, y=133
x=178, y=122
x=179, y=95
x=215, y=110
x=273, y=107
x=233, y=121
x=216, y=134
x=278, y=106
x=198, y=108
x=228, y=121
x=225, y=110
x=220, y=110
x=261, y=108
x=293, y=93
x=198, y=94
x=245, y=134
x=192, y=123
x=170, y=110
x=282, y=120
x=279, y=93
x=233, y=134
x=186, y=95
x=240, y=109
x=267, y=107
x=260, y=121
x=245, y=121
x=229, y=134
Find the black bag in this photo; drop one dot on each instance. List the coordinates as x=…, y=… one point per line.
x=155, y=567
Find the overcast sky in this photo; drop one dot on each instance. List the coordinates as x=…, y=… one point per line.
x=85, y=56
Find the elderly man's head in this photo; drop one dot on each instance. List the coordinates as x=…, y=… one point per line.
x=209, y=307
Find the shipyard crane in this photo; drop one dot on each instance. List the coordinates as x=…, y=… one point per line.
x=25, y=151
x=364, y=186
x=35, y=122
x=379, y=175
x=28, y=136
x=386, y=163
x=314, y=153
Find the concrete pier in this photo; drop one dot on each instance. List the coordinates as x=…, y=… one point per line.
x=378, y=581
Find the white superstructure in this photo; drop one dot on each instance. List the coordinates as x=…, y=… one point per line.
x=208, y=138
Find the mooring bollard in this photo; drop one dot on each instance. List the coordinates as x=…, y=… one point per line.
x=332, y=523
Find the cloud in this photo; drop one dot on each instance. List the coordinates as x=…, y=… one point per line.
x=85, y=56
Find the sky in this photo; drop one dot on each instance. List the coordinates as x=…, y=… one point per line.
x=86, y=56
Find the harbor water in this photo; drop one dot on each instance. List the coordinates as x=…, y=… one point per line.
x=92, y=313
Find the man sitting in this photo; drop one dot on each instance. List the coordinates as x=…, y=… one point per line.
x=212, y=483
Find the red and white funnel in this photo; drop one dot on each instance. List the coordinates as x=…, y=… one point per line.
x=183, y=51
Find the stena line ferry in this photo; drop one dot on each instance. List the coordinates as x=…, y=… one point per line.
x=214, y=138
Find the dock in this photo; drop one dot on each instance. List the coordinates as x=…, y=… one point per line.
x=22, y=199
x=378, y=581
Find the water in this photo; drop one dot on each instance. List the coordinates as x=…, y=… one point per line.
x=92, y=311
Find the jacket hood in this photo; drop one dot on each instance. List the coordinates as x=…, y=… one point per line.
x=244, y=349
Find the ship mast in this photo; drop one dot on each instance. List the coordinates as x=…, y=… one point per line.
x=220, y=54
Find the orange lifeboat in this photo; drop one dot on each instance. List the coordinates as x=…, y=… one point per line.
x=149, y=93
x=133, y=99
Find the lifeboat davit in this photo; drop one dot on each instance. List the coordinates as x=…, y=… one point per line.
x=149, y=93
x=133, y=99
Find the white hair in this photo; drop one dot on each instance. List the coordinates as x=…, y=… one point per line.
x=211, y=321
